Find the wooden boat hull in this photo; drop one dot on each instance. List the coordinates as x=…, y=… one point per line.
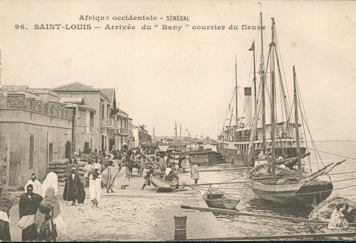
x=226, y=201
x=165, y=185
x=284, y=187
x=205, y=157
x=311, y=193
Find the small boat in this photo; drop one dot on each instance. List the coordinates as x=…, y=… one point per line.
x=218, y=199
x=167, y=185
x=205, y=156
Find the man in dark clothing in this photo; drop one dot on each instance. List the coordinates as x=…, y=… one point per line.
x=28, y=206
x=72, y=187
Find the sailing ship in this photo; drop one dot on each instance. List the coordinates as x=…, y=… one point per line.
x=283, y=184
x=233, y=142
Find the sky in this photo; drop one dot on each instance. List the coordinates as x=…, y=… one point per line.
x=187, y=76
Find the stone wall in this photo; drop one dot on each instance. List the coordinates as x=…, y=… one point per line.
x=34, y=129
x=4, y=160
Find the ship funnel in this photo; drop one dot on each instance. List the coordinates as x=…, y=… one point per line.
x=248, y=107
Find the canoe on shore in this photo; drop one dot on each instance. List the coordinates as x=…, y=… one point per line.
x=166, y=185
x=218, y=199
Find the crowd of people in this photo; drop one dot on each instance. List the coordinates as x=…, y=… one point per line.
x=39, y=208
x=40, y=216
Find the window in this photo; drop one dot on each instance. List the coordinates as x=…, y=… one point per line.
x=32, y=150
x=50, y=152
x=102, y=111
x=86, y=147
x=68, y=150
x=92, y=121
x=87, y=121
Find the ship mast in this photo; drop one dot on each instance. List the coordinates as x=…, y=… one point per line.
x=297, y=122
x=263, y=91
x=273, y=91
x=237, y=116
x=254, y=74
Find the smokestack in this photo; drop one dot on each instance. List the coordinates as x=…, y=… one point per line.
x=248, y=106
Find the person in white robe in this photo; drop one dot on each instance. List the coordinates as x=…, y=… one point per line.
x=95, y=187
x=50, y=181
x=337, y=219
x=37, y=186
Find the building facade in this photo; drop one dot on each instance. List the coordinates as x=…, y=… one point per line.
x=102, y=103
x=38, y=132
x=124, y=132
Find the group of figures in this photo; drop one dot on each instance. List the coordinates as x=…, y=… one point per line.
x=39, y=211
x=341, y=216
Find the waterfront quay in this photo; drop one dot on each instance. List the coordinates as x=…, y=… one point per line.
x=131, y=215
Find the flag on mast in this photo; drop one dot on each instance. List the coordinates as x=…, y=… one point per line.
x=252, y=47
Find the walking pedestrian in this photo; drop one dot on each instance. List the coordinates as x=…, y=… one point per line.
x=49, y=220
x=109, y=175
x=50, y=181
x=195, y=173
x=28, y=206
x=124, y=176
x=87, y=171
x=147, y=181
x=95, y=187
x=72, y=187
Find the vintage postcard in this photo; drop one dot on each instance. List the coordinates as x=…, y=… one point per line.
x=177, y=120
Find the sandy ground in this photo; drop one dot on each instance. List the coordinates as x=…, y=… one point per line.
x=132, y=215
x=145, y=215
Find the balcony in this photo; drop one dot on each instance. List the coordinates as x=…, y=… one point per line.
x=124, y=132
x=107, y=123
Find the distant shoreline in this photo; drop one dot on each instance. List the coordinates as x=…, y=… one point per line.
x=335, y=140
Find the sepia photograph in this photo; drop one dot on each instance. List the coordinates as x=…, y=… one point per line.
x=191, y=120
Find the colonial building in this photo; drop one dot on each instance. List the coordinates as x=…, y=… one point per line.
x=83, y=124
x=124, y=132
x=100, y=128
x=38, y=132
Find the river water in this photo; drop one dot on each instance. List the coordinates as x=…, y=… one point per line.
x=250, y=203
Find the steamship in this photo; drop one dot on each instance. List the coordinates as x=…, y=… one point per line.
x=233, y=142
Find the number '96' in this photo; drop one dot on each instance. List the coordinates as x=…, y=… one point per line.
x=19, y=26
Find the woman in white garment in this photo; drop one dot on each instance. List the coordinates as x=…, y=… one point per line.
x=50, y=181
x=124, y=176
x=95, y=187
x=337, y=219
